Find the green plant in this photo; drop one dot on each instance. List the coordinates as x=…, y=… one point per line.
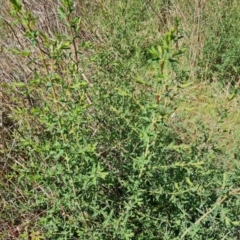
x=221, y=47
x=98, y=159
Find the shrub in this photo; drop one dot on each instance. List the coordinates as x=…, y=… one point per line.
x=221, y=47
x=99, y=160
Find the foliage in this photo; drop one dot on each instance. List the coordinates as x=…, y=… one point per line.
x=221, y=48
x=95, y=154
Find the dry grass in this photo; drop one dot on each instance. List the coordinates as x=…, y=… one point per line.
x=209, y=107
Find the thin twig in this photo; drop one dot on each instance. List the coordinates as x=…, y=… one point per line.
x=219, y=202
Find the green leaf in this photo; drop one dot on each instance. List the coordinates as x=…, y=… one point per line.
x=61, y=13
x=24, y=53
x=236, y=223
x=16, y=4
x=189, y=181
x=19, y=84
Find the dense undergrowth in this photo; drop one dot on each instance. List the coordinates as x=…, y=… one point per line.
x=120, y=120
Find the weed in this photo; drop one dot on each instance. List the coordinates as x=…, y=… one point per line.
x=105, y=139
